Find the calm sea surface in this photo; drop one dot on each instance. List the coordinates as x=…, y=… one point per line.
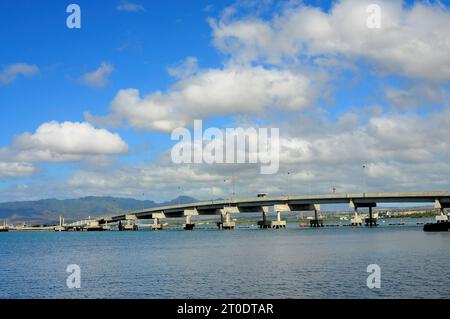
x=244, y=263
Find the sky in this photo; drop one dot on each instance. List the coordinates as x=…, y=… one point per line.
x=90, y=111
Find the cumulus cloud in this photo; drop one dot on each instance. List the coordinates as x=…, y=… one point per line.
x=129, y=7
x=185, y=69
x=285, y=62
x=15, y=169
x=99, y=77
x=412, y=41
x=67, y=141
x=274, y=65
x=10, y=73
x=401, y=151
x=415, y=96
x=228, y=91
x=402, y=138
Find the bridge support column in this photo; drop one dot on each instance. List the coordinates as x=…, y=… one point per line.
x=156, y=221
x=357, y=220
x=278, y=223
x=316, y=222
x=156, y=224
x=264, y=223
x=371, y=221
x=131, y=223
x=188, y=225
x=441, y=206
x=188, y=213
x=225, y=218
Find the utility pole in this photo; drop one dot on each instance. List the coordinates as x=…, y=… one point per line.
x=233, y=181
x=364, y=178
x=289, y=182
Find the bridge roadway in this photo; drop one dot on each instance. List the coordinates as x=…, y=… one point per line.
x=224, y=208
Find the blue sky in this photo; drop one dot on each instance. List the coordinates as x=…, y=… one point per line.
x=140, y=46
x=357, y=88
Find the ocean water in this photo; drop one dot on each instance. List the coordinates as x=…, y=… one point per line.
x=243, y=263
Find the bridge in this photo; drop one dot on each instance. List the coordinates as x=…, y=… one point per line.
x=280, y=204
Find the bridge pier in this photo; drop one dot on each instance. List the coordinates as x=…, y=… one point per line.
x=441, y=206
x=316, y=222
x=356, y=220
x=188, y=225
x=278, y=223
x=188, y=213
x=131, y=223
x=156, y=221
x=264, y=223
x=227, y=223
x=370, y=221
x=156, y=224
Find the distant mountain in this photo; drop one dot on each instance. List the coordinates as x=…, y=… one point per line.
x=179, y=200
x=49, y=210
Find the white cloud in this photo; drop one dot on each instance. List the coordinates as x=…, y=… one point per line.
x=185, y=69
x=406, y=152
x=15, y=169
x=99, y=77
x=10, y=73
x=401, y=138
x=412, y=42
x=67, y=141
x=400, y=151
x=230, y=91
x=414, y=96
x=129, y=7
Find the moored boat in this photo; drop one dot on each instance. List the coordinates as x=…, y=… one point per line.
x=441, y=224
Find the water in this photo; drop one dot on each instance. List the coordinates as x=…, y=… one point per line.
x=244, y=263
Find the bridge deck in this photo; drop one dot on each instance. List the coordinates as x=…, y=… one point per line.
x=211, y=207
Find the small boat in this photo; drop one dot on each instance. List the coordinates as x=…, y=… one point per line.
x=441, y=224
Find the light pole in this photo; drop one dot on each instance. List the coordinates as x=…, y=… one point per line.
x=364, y=178
x=289, y=173
x=233, y=184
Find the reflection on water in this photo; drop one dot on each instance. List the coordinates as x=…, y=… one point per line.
x=244, y=263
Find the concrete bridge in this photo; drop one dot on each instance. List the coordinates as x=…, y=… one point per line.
x=280, y=204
